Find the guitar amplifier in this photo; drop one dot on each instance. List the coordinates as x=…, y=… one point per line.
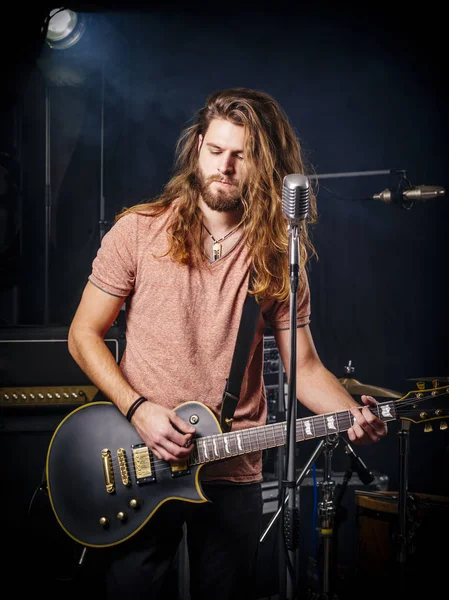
x=37, y=370
x=40, y=383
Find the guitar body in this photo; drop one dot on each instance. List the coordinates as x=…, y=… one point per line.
x=90, y=499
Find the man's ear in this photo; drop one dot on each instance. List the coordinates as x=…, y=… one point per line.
x=200, y=142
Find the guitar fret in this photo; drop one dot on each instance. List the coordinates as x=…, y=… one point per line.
x=265, y=444
x=319, y=426
x=283, y=430
x=300, y=435
x=216, y=447
x=199, y=446
x=272, y=436
x=223, y=446
x=260, y=438
x=194, y=458
x=226, y=442
x=240, y=438
x=240, y=443
x=309, y=430
x=207, y=450
x=387, y=411
x=344, y=420
x=331, y=424
x=247, y=441
x=254, y=440
x=269, y=436
x=232, y=443
x=276, y=436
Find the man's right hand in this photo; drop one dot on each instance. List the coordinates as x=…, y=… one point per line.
x=163, y=432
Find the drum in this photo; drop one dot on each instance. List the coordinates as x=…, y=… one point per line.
x=378, y=535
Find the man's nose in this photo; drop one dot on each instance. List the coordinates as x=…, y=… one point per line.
x=226, y=165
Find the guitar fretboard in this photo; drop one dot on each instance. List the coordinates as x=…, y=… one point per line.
x=226, y=445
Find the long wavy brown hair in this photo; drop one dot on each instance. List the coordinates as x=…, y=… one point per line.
x=272, y=150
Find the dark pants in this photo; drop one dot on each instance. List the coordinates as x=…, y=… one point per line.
x=222, y=539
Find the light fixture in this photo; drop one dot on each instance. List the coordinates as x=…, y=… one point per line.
x=65, y=28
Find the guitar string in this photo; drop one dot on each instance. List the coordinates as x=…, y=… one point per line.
x=254, y=433
x=163, y=465
x=160, y=465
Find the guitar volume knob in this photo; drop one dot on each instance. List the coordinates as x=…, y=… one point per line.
x=122, y=516
x=134, y=503
x=104, y=522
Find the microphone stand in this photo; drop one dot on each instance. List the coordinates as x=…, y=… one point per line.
x=291, y=512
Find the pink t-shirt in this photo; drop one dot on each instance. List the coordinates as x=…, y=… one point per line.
x=182, y=324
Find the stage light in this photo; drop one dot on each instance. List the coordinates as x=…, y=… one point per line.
x=64, y=29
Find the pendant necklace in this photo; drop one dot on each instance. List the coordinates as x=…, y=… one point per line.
x=217, y=247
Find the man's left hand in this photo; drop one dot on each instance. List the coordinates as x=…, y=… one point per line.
x=367, y=427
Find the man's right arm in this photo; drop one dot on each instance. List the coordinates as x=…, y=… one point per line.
x=95, y=314
x=162, y=430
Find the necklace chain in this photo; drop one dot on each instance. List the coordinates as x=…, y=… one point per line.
x=224, y=237
x=216, y=247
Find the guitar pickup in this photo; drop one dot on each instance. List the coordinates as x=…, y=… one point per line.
x=178, y=469
x=143, y=464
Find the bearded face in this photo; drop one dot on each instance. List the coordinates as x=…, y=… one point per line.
x=221, y=165
x=218, y=192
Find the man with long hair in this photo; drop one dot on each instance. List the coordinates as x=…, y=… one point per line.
x=184, y=264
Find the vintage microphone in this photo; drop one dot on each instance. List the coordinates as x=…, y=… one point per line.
x=406, y=195
x=295, y=207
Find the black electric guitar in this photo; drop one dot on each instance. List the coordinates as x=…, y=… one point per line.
x=104, y=484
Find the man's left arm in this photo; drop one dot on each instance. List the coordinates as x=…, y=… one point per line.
x=321, y=392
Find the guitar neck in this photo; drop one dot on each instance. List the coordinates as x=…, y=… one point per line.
x=226, y=445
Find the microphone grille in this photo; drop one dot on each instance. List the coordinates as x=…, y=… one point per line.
x=295, y=197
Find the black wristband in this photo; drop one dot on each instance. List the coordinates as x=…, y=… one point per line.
x=134, y=406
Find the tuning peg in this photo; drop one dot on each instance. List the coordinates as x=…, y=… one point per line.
x=443, y=425
x=428, y=428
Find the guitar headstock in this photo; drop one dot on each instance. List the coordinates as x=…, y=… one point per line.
x=424, y=405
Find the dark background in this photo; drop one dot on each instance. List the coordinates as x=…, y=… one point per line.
x=365, y=91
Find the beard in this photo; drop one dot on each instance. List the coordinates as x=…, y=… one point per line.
x=221, y=200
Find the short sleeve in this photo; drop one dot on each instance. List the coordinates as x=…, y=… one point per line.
x=114, y=267
x=278, y=315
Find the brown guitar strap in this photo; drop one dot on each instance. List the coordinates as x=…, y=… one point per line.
x=245, y=335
